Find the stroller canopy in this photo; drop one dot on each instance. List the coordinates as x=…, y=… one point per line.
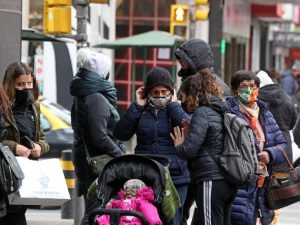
x=117, y=171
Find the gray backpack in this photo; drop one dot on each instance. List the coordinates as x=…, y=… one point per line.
x=238, y=160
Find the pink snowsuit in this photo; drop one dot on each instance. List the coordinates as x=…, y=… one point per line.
x=142, y=203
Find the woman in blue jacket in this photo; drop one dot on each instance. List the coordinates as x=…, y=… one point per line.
x=152, y=117
x=250, y=203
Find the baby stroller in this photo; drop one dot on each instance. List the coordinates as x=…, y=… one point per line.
x=152, y=170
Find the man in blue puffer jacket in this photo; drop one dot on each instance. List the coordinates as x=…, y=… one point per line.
x=152, y=118
x=250, y=203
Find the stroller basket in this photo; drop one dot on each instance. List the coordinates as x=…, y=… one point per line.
x=115, y=215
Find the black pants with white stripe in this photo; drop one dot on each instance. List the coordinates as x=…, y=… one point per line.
x=213, y=200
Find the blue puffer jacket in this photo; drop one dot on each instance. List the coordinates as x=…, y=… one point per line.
x=153, y=134
x=244, y=203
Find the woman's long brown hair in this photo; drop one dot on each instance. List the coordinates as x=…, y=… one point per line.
x=4, y=102
x=201, y=85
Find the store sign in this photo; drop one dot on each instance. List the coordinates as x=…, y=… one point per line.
x=237, y=18
x=286, y=39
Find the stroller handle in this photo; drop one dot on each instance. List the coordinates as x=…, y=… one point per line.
x=115, y=215
x=164, y=160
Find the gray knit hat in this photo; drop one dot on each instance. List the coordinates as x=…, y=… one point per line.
x=94, y=61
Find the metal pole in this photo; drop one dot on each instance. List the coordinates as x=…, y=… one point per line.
x=82, y=16
x=216, y=33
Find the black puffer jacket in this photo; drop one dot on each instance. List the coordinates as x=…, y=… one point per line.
x=206, y=133
x=284, y=113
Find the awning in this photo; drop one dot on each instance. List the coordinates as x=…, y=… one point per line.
x=151, y=39
x=34, y=35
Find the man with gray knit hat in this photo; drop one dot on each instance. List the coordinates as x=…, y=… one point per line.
x=195, y=55
x=93, y=114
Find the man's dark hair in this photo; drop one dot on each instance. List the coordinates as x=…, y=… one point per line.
x=241, y=75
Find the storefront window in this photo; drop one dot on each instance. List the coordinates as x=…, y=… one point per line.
x=122, y=29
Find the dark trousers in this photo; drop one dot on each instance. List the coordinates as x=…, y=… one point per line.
x=16, y=218
x=189, y=201
x=213, y=199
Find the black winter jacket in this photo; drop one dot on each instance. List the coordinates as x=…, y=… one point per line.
x=284, y=113
x=206, y=133
x=93, y=117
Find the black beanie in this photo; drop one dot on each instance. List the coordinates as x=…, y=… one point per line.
x=158, y=76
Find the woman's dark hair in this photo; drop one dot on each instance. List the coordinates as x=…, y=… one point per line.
x=201, y=85
x=13, y=71
x=240, y=76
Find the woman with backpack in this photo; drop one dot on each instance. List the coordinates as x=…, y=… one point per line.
x=196, y=144
x=250, y=206
x=151, y=117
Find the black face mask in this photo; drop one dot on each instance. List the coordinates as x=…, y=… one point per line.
x=23, y=96
x=184, y=73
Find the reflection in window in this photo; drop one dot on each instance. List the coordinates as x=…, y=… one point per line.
x=142, y=70
x=123, y=7
x=121, y=71
x=140, y=53
x=122, y=29
x=144, y=8
x=164, y=7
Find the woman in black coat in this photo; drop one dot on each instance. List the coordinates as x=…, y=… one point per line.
x=205, y=134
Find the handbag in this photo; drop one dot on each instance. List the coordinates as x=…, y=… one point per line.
x=283, y=191
x=11, y=175
x=96, y=163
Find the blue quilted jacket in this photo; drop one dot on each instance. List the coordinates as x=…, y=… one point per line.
x=153, y=134
x=247, y=199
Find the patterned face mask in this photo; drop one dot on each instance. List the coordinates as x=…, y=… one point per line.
x=247, y=95
x=160, y=102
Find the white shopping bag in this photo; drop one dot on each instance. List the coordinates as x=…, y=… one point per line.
x=44, y=183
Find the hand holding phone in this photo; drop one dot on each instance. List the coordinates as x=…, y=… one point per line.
x=27, y=142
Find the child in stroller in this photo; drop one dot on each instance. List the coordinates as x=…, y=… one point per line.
x=115, y=176
x=135, y=195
